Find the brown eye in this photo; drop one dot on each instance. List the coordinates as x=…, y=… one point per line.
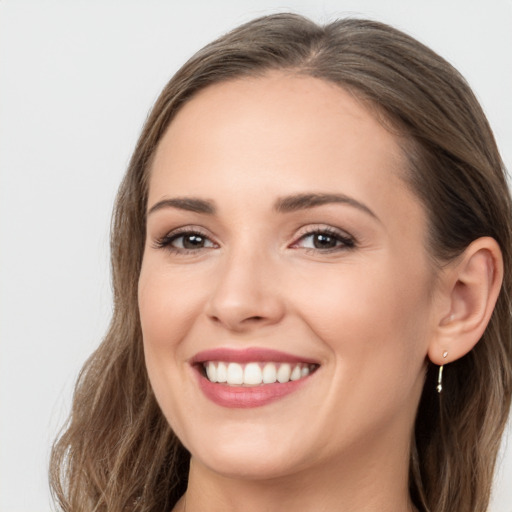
x=192, y=241
x=325, y=240
x=185, y=241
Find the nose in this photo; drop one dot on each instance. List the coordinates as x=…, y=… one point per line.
x=247, y=294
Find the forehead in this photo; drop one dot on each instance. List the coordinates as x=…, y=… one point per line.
x=300, y=105
x=281, y=133
x=283, y=113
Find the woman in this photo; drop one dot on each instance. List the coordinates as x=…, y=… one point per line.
x=311, y=253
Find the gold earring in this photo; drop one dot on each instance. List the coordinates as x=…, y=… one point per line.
x=439, y=387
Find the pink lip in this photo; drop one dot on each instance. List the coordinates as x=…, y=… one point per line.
x=248, y=355
x=241, y=396
x=245, y=397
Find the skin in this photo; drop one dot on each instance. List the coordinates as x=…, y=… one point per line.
x=366, y=310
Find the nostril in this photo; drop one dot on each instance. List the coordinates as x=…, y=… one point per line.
x=245, y=321
x=237, y=314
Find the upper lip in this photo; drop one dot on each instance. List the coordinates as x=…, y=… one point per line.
x=248, y=355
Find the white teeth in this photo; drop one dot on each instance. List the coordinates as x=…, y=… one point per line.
x=295, y=373
x=222, y=372
x=235, y=374
x=211, y=371
x=283, y=374
x=255, y=374
x=269, y=373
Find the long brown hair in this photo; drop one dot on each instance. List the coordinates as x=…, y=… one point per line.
x=117, y=452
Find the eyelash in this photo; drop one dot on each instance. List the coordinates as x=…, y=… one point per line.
x=167, y=240
x=343, y=240
x=346, y=241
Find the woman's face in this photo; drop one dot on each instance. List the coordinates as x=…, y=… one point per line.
x=286, y=255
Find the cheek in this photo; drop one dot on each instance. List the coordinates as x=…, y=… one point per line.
x=370, y=315
x=375, y=323
x=168, y=305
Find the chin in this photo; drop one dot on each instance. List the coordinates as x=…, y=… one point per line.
x=254, y=464
x=257, y=453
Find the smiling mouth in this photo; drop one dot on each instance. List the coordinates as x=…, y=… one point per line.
x=252, y=374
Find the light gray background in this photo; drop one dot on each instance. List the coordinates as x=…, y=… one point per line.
x=77, y=78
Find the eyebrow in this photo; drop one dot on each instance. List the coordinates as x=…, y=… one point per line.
x=304, y=201
x=286, y=204
x=190, y=204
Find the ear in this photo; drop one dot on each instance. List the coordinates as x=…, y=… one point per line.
x=469, y=289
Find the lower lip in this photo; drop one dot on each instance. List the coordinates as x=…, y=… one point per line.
x=242, y=397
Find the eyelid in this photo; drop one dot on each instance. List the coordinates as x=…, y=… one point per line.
x=348, y=240
x=165, y=241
